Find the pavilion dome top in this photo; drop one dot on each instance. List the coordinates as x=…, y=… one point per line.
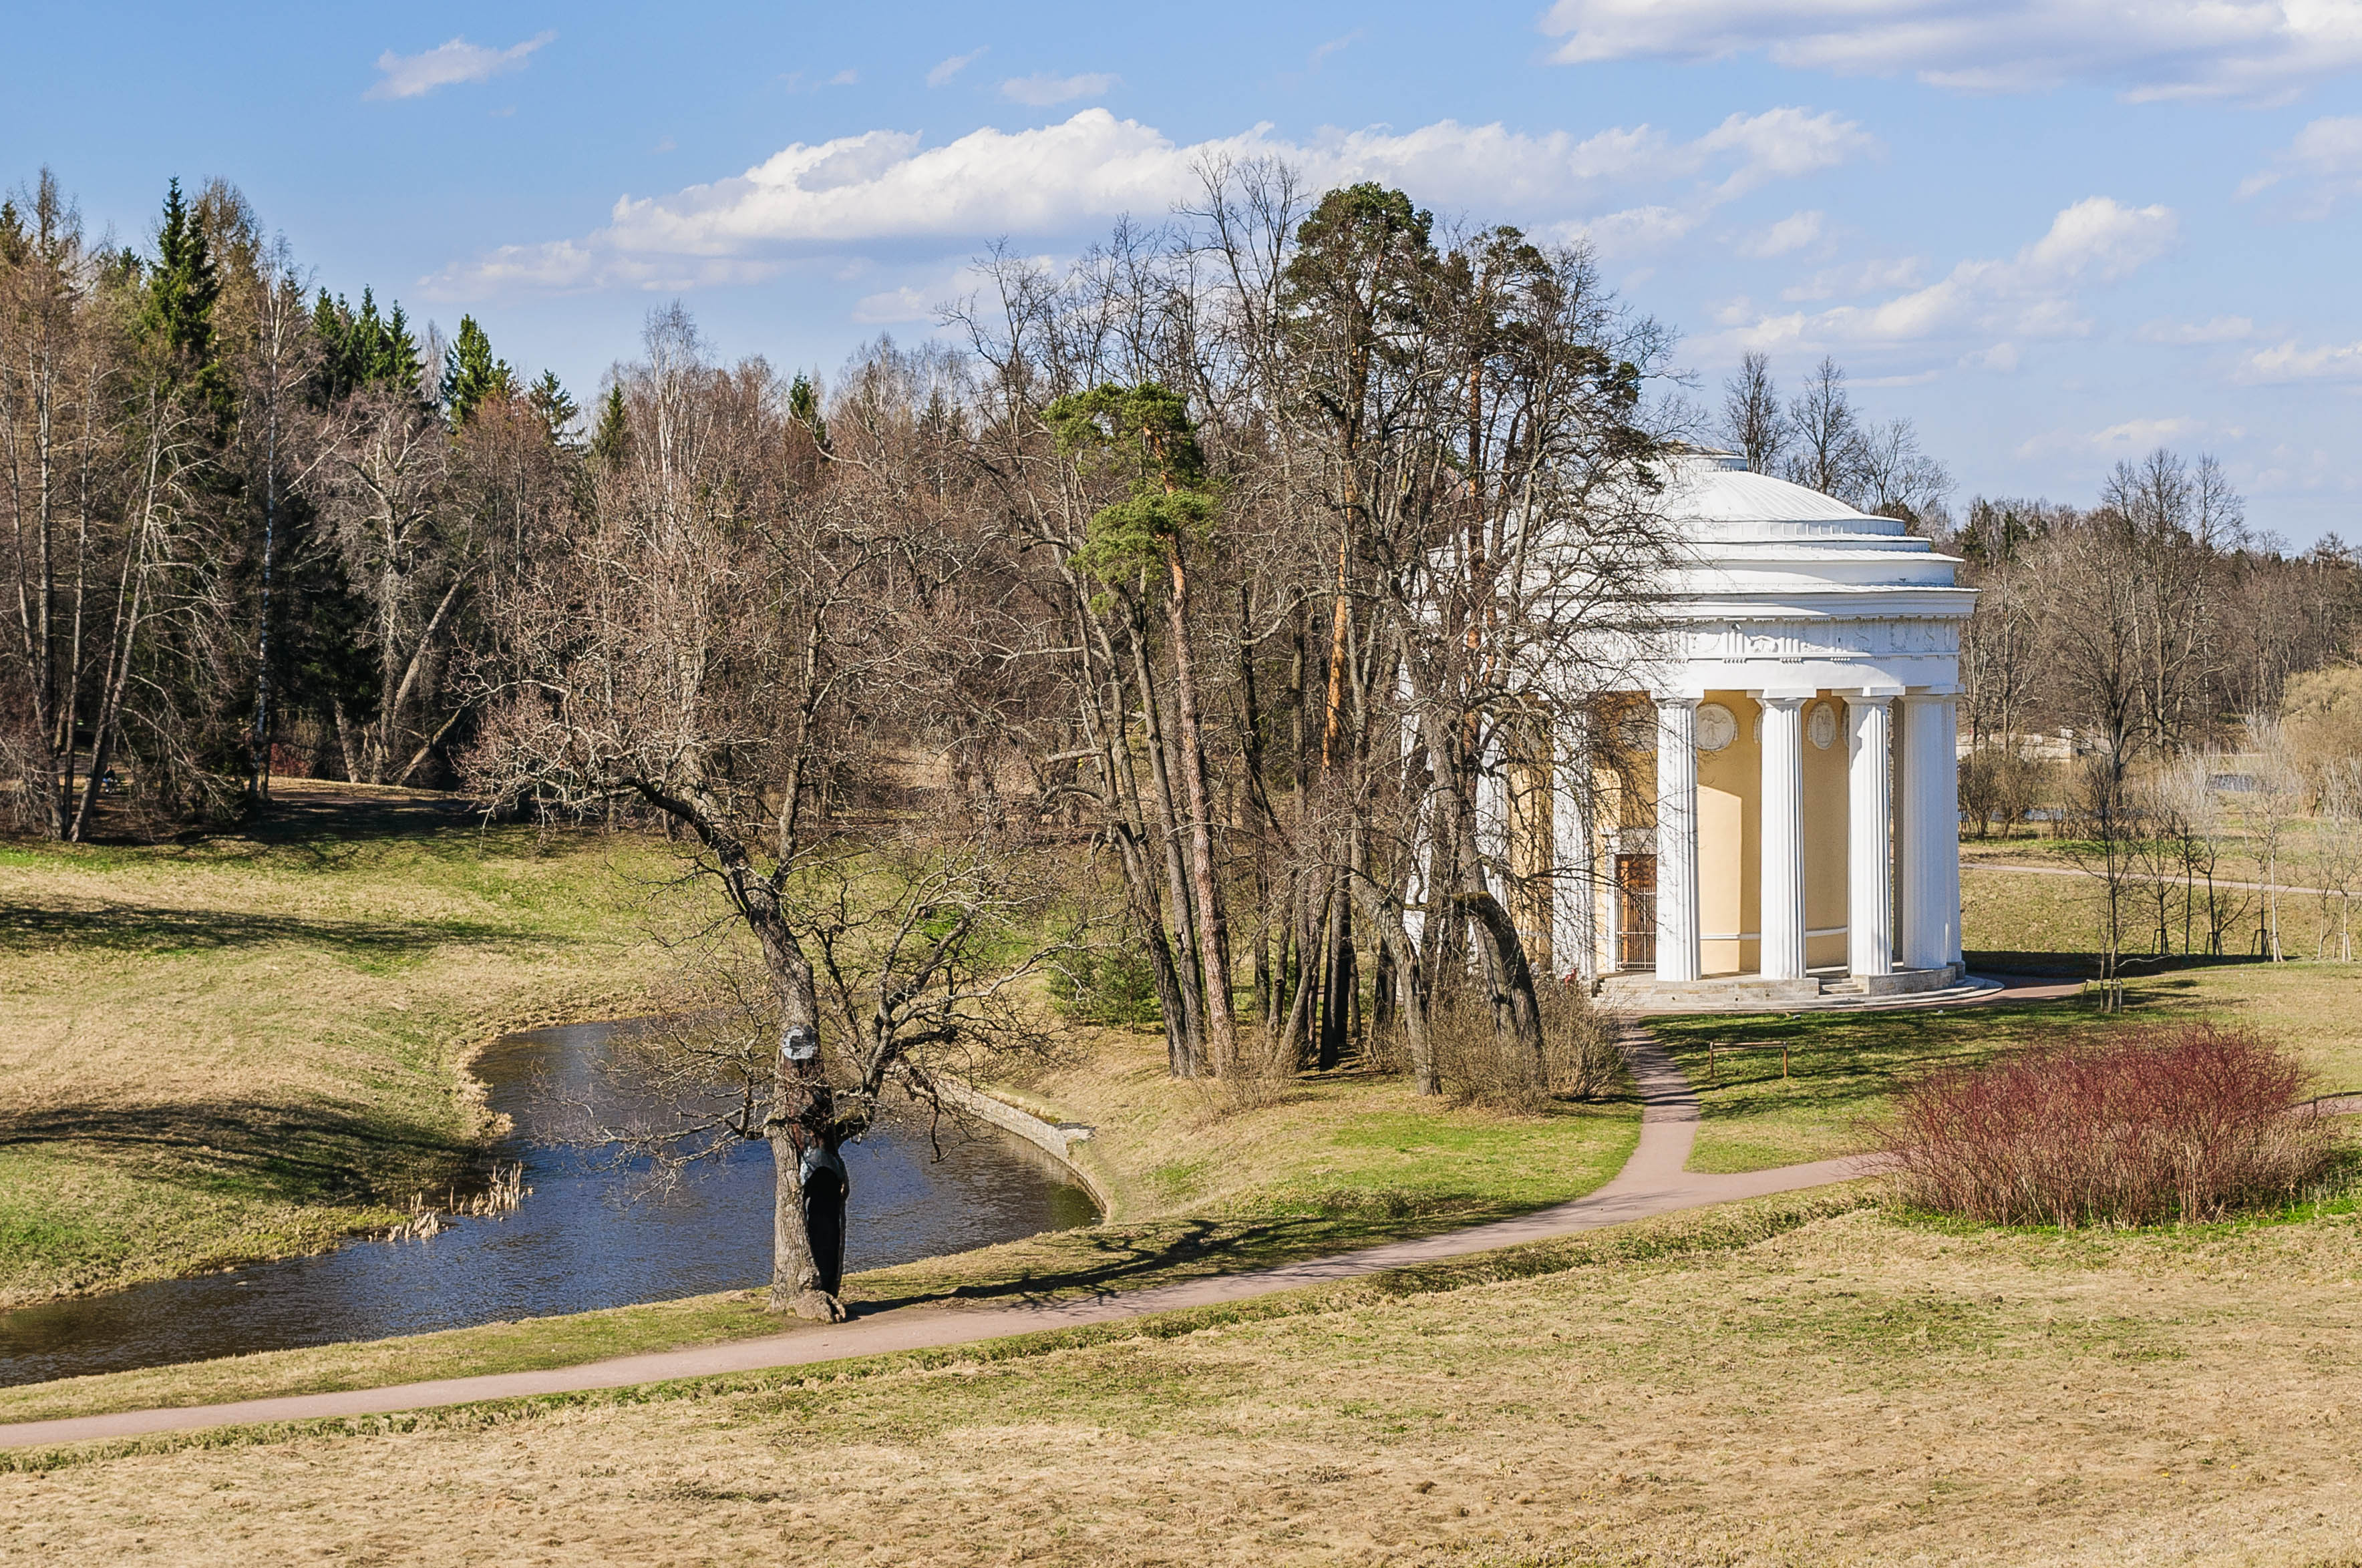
x=1714, y=496
x=1745, y=535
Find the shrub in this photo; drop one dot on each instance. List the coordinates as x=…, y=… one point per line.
x=1581, y=1056
x=2185, y=1121
x=1112, y=984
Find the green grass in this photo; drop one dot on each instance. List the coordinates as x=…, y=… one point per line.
x=1842, y=1067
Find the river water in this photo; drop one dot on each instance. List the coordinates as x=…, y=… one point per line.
x=588, y=1236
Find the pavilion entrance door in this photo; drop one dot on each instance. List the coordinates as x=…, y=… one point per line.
x=1636, y=912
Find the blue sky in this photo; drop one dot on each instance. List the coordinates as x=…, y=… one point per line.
x=2054, y=234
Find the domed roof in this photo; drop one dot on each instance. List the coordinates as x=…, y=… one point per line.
x=1750, y=532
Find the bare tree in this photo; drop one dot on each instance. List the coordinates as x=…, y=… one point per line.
x=1827, y=432
x=1751, y=419
x=714, y=650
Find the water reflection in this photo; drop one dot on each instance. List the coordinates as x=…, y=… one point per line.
x=575, y=1244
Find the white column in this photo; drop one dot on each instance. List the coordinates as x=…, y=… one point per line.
x=1931, y=834
x=1782, y=888
x=1869, y=809
x=1575, y=892
x=1493, y=814
x=1678, y=957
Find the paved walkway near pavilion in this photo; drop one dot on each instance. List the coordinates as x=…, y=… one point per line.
x=1652, y=1182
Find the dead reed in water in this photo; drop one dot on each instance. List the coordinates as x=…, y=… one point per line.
x=501, y=1196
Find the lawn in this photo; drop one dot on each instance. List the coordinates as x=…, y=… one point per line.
x=1801, y=1380
x=245, y=1047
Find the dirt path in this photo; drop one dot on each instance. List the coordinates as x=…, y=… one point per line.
x=1652, y=1182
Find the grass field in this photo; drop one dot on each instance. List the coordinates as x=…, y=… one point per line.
x=248, y=1046
x=1798, y=1381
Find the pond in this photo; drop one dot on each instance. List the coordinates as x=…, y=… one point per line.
x=587, y=1236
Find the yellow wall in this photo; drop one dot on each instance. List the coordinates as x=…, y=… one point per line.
x=1730, y=861
x=1825, y=837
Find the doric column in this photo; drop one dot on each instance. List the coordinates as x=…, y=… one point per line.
x=1782, y=887
x=1678, y=957
x=1931, y=834
x=1575, y=894
x=1869, y=810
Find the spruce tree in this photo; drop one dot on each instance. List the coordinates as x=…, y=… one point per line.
x=176, y=311
x=612, y=442
x=558, y=411
x=803, y=407
x=470, y=374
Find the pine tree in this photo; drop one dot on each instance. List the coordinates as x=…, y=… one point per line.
x=470, y=374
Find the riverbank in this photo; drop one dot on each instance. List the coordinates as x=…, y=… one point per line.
x=1330, y=1164
x=252, y=1046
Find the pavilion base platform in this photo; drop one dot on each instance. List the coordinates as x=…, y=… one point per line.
x=1755, y=992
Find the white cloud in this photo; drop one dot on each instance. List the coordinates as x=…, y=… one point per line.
x=1633, y=231
x=2155, y=48
x=1041, y=90
x=1320, y=55
x=2288, y=362
x=2128, y=436
x=896, y=305
x=2222, y=329
x=2031, y=295
x=1871, y=276
x=1793, y=233
x=884, y=186
x=416, y=75
x=2144, y=433
x=2001, y=358
x=848, y=77
x=944, y=70
x=2327, y=157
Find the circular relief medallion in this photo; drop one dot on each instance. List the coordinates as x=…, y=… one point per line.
x=1824, y=727
x=1716, y=727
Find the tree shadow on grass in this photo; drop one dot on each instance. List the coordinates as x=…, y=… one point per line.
x=287, y=1153
x=150, y=928
x=1106, y=1261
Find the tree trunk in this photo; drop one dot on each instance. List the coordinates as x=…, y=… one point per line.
x=1213, y=940
x=1384, y=919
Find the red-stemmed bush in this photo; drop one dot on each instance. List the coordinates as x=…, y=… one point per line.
x=2134, y=1126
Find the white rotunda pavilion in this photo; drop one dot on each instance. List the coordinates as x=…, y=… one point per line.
x=1801, y=710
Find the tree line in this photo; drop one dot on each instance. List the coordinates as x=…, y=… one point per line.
x=249, y=525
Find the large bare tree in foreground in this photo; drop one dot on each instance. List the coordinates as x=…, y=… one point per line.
x=716, y=648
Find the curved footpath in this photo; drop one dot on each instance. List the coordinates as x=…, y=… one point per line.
x=1652, y=1182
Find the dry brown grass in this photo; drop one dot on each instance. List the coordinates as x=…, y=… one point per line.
x=1857, y=1390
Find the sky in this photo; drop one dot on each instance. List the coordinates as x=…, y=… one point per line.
x=2054, y=233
